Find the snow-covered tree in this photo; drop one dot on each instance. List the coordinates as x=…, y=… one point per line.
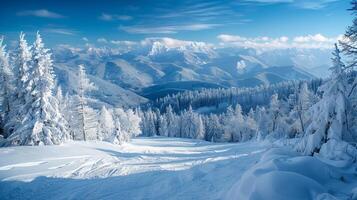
x=127, y=125
x=6, y=87
x=84, y=115
x=214, y=129
x=22, y=66
x=329, y=132
x=274, y=112
x=233, y=124
x=42, y=122
x=117, y=136
x=250, y=128
x=192, y=125
x=148, y=123
x=262, y=120
x=106, y=124
x=304, y=100
x=168, y=123
x=163, y=126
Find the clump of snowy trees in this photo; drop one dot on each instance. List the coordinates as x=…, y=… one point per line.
x=218, y=99
x=32, y=113
x=280, y=118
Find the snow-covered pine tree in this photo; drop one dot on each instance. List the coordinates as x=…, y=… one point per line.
x=63, y=106
x=250, y=127
x=261, y=117
x=214, y=130
x=163, y=126
x=127, y=125
x=117, y=137
x=172, y=122
x=43, y=122
x=68, y=111
x=6, y=88
x=83, y=114
x=192, y=125
x=148, y=123
x=234, y=124
x=303, y=100
x=329, y=132
x=106, y=124
x=22, y=65
x=274, y=112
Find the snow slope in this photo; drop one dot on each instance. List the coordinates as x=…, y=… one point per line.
x=146, y=168
x=170, y=168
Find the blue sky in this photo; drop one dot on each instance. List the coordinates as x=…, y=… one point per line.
x=75, y=22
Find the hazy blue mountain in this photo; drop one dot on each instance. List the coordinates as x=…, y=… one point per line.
x=158, y=67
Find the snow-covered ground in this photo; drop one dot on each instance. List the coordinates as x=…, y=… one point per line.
x=156, y=168
x=146, y=168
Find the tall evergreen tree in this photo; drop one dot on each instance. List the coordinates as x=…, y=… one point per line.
x=43, y=122
x=22, y=66
x=304, y=101
x=106, y=124
x=6, y=88
x=83, y=114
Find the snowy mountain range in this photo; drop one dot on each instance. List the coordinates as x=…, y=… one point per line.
x=174, y=65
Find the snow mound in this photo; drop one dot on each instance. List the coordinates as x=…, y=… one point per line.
x=283, y=174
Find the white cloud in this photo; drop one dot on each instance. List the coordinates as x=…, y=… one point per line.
x=60, y=31
x=85, y=39
x=317, y=41
x=168, y=42
x=305, y=4
x=313, y=4
x=123, y=42
x=284, y=39
x=40, y=13
x=313, y=38
x=109, y=17
x=102, y=40
x=166, y=29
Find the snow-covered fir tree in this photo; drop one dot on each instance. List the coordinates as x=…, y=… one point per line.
x=42, y=122
x=106, y=124
x=6, y=88
x=84, y=118
x=303, y=100
x=22, y=64
x=127, y=125
x=148, y=125
x=192, y=125
x=329, y=132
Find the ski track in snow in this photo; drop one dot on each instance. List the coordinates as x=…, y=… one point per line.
x=146, y=168
x=26, y=164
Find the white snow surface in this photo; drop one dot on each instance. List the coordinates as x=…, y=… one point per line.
x=283, y=174
x=167, y=168
x=145, y=168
